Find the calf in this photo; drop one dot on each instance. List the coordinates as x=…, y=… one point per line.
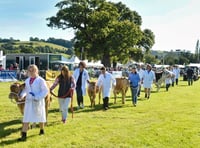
x=15, y=90
x=122, y=85
x=92, y=91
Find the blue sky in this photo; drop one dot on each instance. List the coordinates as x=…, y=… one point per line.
x=175, y=23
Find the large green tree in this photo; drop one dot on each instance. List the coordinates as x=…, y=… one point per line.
x=107, y=31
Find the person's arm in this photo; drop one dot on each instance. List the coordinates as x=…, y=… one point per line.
x=43, y=90
x=73, y=85
x=54, y=84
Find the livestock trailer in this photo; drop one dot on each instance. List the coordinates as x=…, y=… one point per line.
x=42, y=60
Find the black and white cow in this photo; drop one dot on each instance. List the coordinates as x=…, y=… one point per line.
x=161, y=76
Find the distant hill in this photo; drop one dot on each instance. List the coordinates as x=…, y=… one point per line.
x=16, y=46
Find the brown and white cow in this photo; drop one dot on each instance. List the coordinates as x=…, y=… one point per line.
x=93, y=90
x=15, y=90
x=122, y=85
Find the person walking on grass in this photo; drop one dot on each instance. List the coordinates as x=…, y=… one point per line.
x=67, y=85
x=134, y=80
x=190, y=76
x=105, y=80
x=140, y=71
x=147, y=80
x=34, y=110
x=82, y=78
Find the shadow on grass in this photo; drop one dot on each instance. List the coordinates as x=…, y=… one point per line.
x=6, y=131
x=10, y=142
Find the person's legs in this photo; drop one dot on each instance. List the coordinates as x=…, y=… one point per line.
x=135, y=91
x=145, y=91
x=79, y=96
x=176, y=81
x=61, y=102
x=41, y=128
x=148, y=92
x=189, y=81
x=139, y=90
x=24, y=132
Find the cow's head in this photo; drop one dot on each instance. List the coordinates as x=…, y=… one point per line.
x=15, y=90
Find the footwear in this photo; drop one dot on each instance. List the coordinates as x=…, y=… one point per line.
x=145, y=96
x=23, y=137
x=78, y=107
x=82, y=106
x=64, y=121
x=106, y=108
x=41, y=132
x=134, y=105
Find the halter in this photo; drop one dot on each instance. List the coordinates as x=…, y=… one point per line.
x=18, y=98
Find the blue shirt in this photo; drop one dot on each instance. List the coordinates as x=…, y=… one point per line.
x=134, y=79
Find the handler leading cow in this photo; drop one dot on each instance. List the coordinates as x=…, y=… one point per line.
x=35, y=92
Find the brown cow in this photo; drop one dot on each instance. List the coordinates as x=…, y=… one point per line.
x=122, y=85
x=92, y=91
x=15, y=90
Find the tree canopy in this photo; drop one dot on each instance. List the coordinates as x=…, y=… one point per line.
x=105, y=30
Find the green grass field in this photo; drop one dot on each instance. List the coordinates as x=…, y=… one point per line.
x=167, y=120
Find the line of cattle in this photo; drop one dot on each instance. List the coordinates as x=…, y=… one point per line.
x=122, y=85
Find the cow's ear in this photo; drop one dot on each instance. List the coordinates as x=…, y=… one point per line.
x=23, y=85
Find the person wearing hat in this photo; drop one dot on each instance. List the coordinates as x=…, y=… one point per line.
x=134, y=80
x=81, y=77
x=105, y=81
x=147, y=80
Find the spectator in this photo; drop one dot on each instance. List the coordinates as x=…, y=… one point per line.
x=11, y=67
x=1, y=67
x=15, y=66
x=81, y=77
x=105, y=81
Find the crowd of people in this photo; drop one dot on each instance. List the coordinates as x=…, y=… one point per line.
x=139, y=76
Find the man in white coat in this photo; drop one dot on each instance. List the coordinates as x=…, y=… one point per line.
x=82, y=78
x=105, y=80
x=35, y=91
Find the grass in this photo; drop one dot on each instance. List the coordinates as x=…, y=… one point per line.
x=168, y=119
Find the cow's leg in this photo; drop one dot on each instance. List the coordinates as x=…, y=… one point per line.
x=115, y=97
x=123, y=97
x=99, y=97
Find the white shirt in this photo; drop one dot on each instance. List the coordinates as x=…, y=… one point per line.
x=106, y=81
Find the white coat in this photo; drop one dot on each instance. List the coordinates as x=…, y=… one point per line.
x=106, y=81
x=34, y=110
x=85, y=78
x=148, y=78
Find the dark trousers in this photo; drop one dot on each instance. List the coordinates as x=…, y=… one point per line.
x=176, y=81
x=79, y=95
x=105, y=102
x=167, y=86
